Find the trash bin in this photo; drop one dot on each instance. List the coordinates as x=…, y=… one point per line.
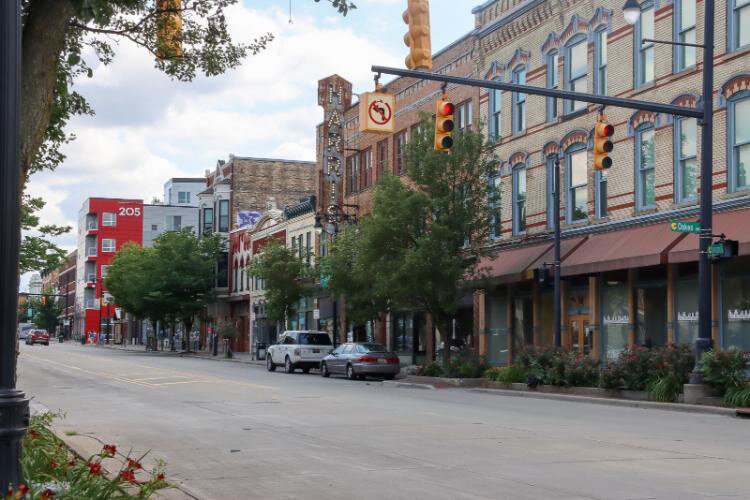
x=260, y=350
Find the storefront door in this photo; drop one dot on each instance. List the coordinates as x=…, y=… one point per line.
x=579, y=334
x=651, y=315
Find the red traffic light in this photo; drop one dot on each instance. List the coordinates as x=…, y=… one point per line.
x=447, y=108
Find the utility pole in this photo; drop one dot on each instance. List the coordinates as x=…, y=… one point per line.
x=14, y=407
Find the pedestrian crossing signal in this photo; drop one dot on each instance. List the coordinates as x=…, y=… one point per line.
x=603, y=144
x=444, y=124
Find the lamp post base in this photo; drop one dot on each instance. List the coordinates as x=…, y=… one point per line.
x=14, y=420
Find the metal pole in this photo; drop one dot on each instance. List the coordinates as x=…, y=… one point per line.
x=14, y=407
x=703, y=342
x=556, y=267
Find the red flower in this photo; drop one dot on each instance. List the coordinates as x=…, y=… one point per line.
x=134, y=464
x=128, y=475
x=53, y=464
x=95, y=468
x=72, y=463
x=23, y=489
x=160, y=477
x=47, y=494
x=33, y=434
x=109, y=449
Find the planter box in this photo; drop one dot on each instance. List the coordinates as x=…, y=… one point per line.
x=593, y=392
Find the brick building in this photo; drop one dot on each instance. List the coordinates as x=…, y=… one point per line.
x=367, y=155
x=237, y=193
x=627, y=278
x=66, y=286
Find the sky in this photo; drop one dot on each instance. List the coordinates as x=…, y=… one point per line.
x=148, y=128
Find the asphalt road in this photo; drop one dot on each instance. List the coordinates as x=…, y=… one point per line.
x=235, y=431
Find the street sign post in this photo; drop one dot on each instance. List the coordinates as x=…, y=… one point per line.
x=679, y=226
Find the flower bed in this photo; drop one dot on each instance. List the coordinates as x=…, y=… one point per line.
x=53, y=471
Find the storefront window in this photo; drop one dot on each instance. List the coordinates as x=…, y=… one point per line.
x=497, y=329
x=523, y=326
x=687, y=312
x=651, y=310
x=736, y=305
x=615, y=318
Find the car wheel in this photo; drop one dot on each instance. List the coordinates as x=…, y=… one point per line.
x=305, y=370
x=46, y=343
x=288, y=366
x=350, y=372
x=390, y=377
x=324, y=370
x=269, y=364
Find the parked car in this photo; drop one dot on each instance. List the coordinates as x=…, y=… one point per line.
x=23, y=330
x=298, y=349
x=359, y=360
x=37, y=336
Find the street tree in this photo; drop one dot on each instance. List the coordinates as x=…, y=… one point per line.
x=36, y=251
x=426, y=234
x=45, y=311
x=287, y=279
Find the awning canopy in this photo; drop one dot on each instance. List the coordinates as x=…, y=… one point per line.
x=508, y=266
x=735, y=225
x=567, y=247
x=637, y=247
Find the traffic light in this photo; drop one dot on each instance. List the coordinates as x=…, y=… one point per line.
x=444, y=124
x=169, y=29
x=417, y=17
x=603, y=145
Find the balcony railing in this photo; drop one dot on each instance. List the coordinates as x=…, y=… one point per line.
x=92, y=225
x=91, y=252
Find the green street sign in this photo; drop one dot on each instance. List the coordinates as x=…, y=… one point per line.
x=679, y=226
x=324, y=281
x=30, y=312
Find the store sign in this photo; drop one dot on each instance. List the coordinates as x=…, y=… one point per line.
x=617, y=319
x=376, y=110
x=316, y=313
x=687, y=316
x=739, y=315
x=679, y=226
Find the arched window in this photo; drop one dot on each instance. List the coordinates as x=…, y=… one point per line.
x=645, y=166
x=519, y=100
x=553, y=82
x=576, y=65
x=576, y=180
x=738, y=120
x=519, y=198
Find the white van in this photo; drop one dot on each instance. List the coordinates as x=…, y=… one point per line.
x=299, y=349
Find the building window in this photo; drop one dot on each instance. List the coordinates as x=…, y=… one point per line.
x=109, y=219
x=183, y=197
x=686, y=149
x=519, y=101
x=382, y=158
x=154, y=227
x=644, y=52
x=108, y=245
x=600, y=61
x=519, y=199
x=577, y=183
x=684, y=31
x=399, y=152
x=645, y=160
x=494, y=203
x=576, y=64
x=208, y=220
x=366, y=162
x=222, y=270
x=495, y=112
x=223, y=216
x=464, y=116
x=739, y=141
x=553, y=82
x=600, y=180
x=551, y=191
x=352, y=174
x=174, y=222
x=308, y=247
x=739, y=24
x=104, y=271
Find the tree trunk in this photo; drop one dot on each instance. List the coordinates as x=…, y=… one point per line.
x=171, y=335
x=188, y=324
x=155, y=335
x=444, y=325
x=44, y=32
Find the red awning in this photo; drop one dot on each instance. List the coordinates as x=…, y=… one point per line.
x=735, y=225
x=637, y=247
x=567, y=247
x=509, y=265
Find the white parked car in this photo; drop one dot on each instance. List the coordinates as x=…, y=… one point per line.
x=298, y=349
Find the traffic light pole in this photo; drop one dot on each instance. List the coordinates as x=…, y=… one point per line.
x=14, y=407
x=557, y=307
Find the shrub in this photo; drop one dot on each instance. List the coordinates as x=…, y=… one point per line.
x=723, y=370
x=466, y=364
x=432, y=370
x=666, y=388
x=610, y=377
x=737, y=396
x=581, y=371
x=636, y=368
x=506, y=374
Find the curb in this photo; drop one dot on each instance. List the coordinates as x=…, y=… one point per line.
x=409, y=385
x=680, y=407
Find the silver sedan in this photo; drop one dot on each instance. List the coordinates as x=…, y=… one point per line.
x=359, y=360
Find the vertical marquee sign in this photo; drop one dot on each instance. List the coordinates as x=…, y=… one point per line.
x=335, y=96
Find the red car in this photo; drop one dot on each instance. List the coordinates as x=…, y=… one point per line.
x=37, y=337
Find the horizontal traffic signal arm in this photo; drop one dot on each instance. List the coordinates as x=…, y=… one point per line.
x=618, y=102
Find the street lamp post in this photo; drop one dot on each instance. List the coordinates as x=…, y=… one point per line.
x=631, y=12
x=557, y=308
x=14, y=407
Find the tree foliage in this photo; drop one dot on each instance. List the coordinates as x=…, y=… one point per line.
x=36, y=251
x=44, y=313
x=286, y=278
x=425, y=235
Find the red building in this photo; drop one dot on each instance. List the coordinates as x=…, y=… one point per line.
x=104, y=226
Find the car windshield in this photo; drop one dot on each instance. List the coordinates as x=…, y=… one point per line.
x=314, y=339
x=373, y=347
